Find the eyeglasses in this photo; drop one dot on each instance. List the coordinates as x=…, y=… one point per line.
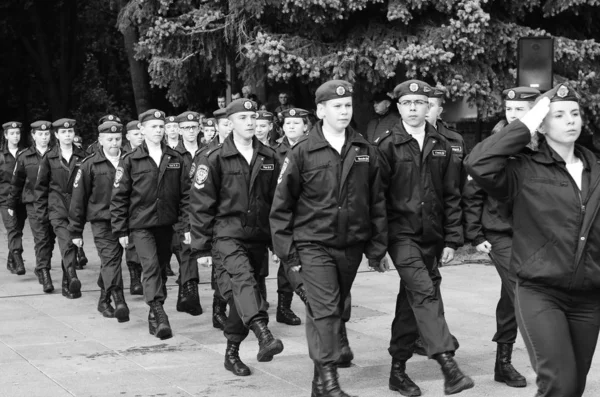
x=191, y=127
x=416, y=103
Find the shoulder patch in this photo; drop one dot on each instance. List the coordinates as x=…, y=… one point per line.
x=286, y=162
x=192, y=170
x=118, y=177
x=77, y=178
x=201, y=176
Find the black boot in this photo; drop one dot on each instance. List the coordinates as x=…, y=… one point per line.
x=121, y=309
x=66, y=291
x=400, y=382
x=346, y=355
x=454, y=380
x=329, y=377
x=188, y=300
x=267, y=344
x=262, y=287
x=233, y=362
x=18, y=262
x=504, y=370
x=104, y=305
x=219, y=313
x=82, y=260
x=10, y=263
x=73, y=282
x=135, y=282
x=301, y=292
x=46, y=281
x=162, y=328
x=284, y=310
x=317, y=384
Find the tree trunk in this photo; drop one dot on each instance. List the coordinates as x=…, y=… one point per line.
x=138, y=71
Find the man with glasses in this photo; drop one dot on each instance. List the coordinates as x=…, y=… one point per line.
x=420, y=180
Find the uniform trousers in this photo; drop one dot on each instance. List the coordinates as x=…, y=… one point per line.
x=560, y=329
x=188, y=264
x=328, y=274
x=131, y=256
x=506, y=320
x=14, y=226
x=237, y=266
x=43, y=240
x=110, y=252
x=419, y=306
x=153, y=246
x=68, y=250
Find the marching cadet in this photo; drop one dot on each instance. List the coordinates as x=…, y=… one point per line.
x=91, y=203
x=264, y=126
x=553, y=195
x=489, y=230
x=14, y=221
x=53, y=190
x=134, y=139
x=230, y=201
x=150, y=195
x=172, y=139
x=209, y=129
x=385, y=118
x=96, y=145
x=188, y=299
x=421, y=183
x=22, y=191
x=328, y=210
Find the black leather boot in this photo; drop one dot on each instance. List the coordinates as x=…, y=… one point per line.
x=104, y=305
x=66, y=291
x=152, y=323
x=504, y=370
x=219, y=315
x=346, y=355
x=400, y=382
x=121, y=309
x=284, y=310
x=18, y=262
x=301, y=292
x=73, y=282
x=454, y=380
x=46, y=281
x=317, y=384
x=329, y=377
x=188, y=300
x=135, y=279
x=267, y=344
x=162, y=330
x=233, y=362
x=262, y=287
x=82, y=260
x=10, y=263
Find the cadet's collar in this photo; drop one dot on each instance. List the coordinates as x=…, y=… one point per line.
x=317, y=140
x=229, y=148
x=143, y=152
x=401, y=136
x=546, y=155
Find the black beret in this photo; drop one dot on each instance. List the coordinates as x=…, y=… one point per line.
x=188, y=116
x=436, y=93
x=11, y=124
x=109, y=117
x=63, y=123
x=170, y=119
x=264, y=115
x=77, y=139
x=333, y=89
x=293, y=112
x=240, y=105
x=41, y=125
x=133, y=125
x=561, y=93
x=152, y=114
x=209, y=122
x=220, y=114
x=110, y=127
x=412, y=87
x=521, y=94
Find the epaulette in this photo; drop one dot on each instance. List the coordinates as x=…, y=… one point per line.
x=87, y=157
x=211, y=150
x=383, y=137
x=124, y=155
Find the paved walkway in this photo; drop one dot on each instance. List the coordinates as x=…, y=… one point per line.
x=53, y=347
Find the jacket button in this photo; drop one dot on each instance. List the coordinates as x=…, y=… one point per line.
x=339, y=208
x=422, y=202
x=583, y=239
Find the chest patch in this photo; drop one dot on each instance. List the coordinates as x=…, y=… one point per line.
x=267, y=167
x=173, y=166
x=361, y=159
x=118, y=177
x=457, y=149
x=439, y=153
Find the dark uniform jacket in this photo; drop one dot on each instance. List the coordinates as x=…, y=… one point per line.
x=188, y=158
x=54, y=184
x=282, y=148
x=126, y=148
x=25, y=176
x=556, y=230
x=482, y=213
x=92, y=191
x=380, y=124
x=335, y=200
x=422, y=189
x=231, y=199
x=457, y=143
x=93, y=148
x=146, y=195
x=7, y=168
